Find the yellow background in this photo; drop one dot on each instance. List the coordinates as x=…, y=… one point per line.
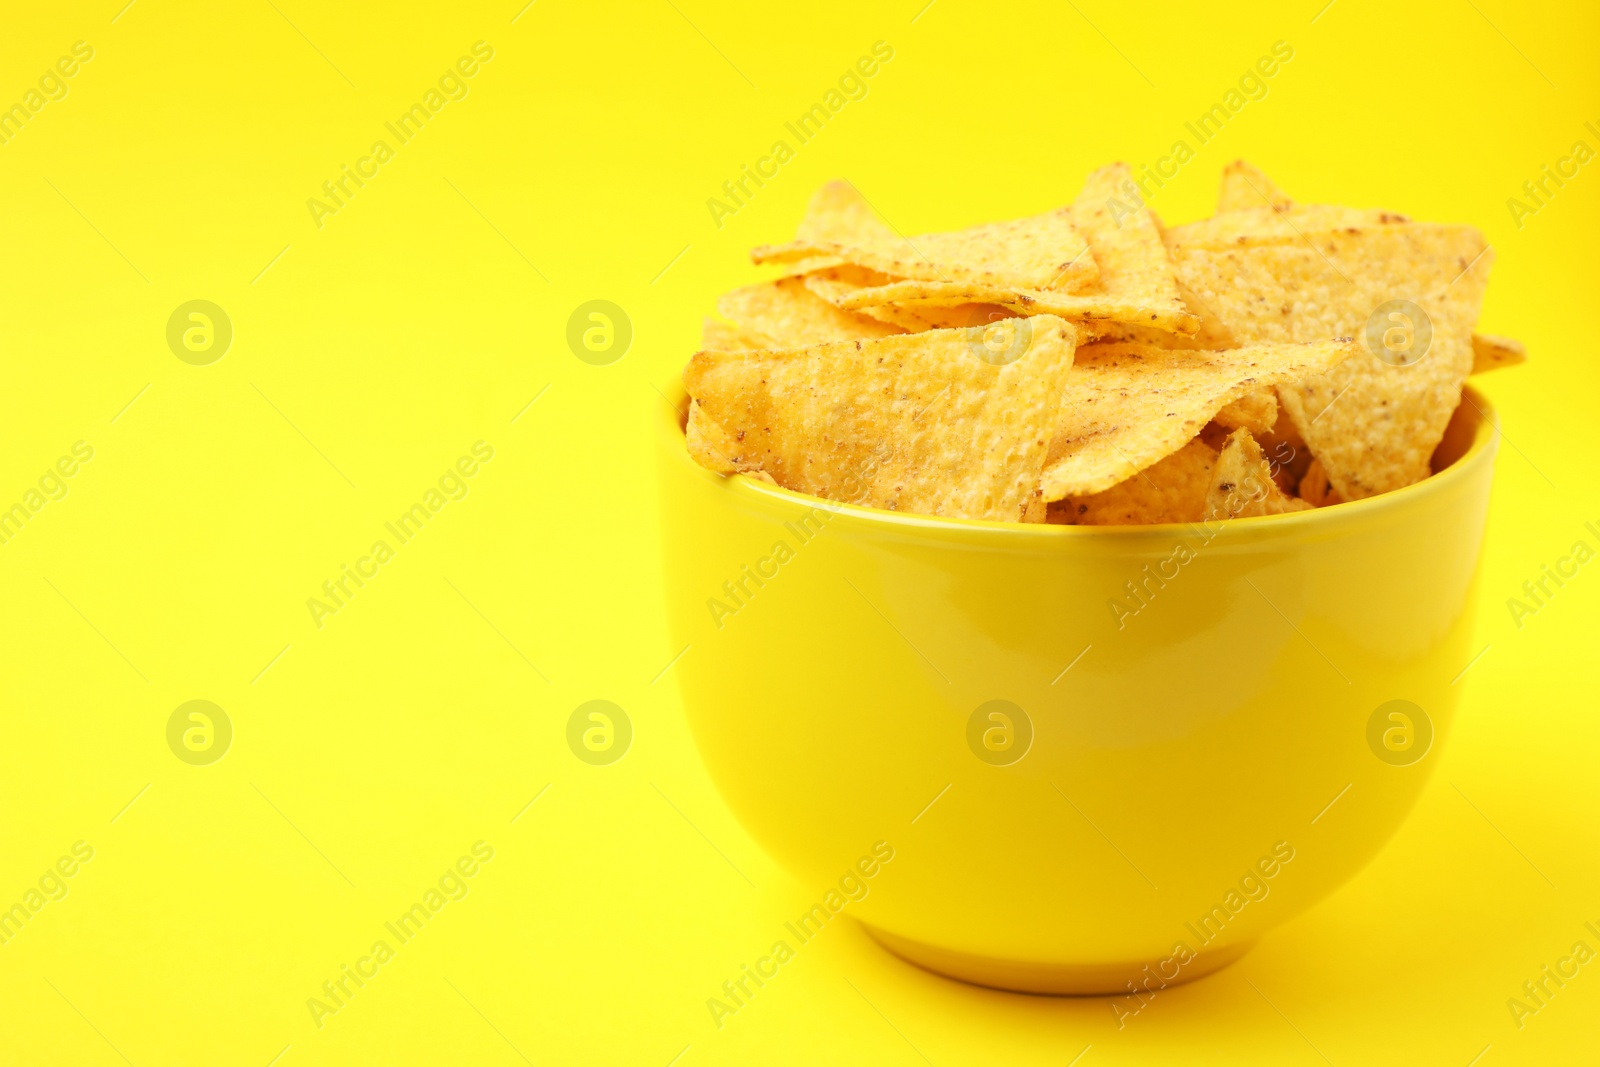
x=424, y=716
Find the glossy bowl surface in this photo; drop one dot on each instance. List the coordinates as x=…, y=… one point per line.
x=1100, y=756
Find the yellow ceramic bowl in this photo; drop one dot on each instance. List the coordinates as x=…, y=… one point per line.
x=1101, y=757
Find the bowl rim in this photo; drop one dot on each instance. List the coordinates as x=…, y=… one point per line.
x=1485, y=440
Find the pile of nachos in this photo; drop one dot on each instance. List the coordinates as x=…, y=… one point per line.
x=1090, y=366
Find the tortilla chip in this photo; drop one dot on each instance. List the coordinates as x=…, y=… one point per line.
x=1256, y=411
x=722, y=336
x=1124, y=407
x=1085, y=308
x=835, y=284
x=1286, y=449
x=1043, y=252
x=793, y=316
x=838, y=213
x=1242, y=484
x=1209, y=332
x=1316, y=490
x=912, y=422
x=1373, y=424
x=711, y=446
x=1171, y=490
x=955, y=317
x=1243, y=186
x=1490, y=352
x=1246, y=227
x=1126, y=242
x=1283, y=430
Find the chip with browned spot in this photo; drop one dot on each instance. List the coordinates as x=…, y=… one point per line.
x=1242, y=483
x=1124, y=407
x=711, y=446
x=1409, y=291
x=1245, y=227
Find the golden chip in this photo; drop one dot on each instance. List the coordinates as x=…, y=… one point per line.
x=930, y=423
x=793, y=316
x=839, y=213
x=1256, y=411
x=723, y=336
x=1125, y=240
x=1410, y=291
x=711, y=446
x=1286, y=448
x=1491, y=353
x=836, y=284
x=1246, y=227
x=1243, y=186
x=1043, y=252
x=1242, y=483
x=1171, y=490
x=1126, y=406
x=1086, y=308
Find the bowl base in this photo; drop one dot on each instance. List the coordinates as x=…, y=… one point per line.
x=1060, y=979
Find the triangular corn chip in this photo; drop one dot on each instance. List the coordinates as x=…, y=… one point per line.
x=1171, y=490
x=1125, y=240
x=1373, y=423
x=1244, y=227
x=914, y=422
x=1256, y=411
x=1090, y=309
x=1208, y=333
x=837, y=284
x=722, y=336
x=711, y=446
x=839, y=213
x=1043, y=252
x=793, y=316
x=834, y=284
x=955, y=317
x=1286, y=447
x=1124, y=407
x=1243, y=186
x=1242, y=484
x=1490, y=352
